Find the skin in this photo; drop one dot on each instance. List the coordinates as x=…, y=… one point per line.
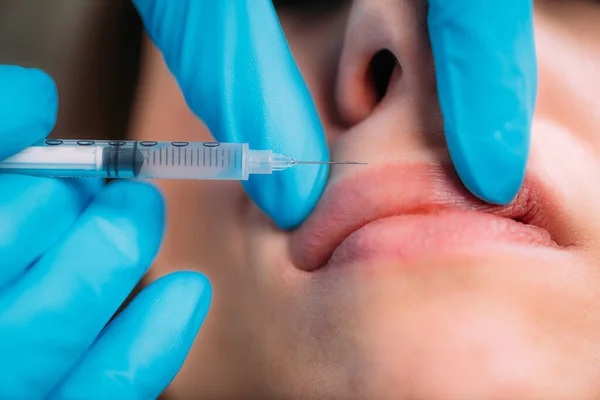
x=515, y=322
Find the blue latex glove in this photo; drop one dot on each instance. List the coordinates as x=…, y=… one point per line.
x=237, y=74
x=71, y=252
x=487, y=79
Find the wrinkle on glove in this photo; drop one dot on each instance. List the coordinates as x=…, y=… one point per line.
x=237, y=74
x=486, y=67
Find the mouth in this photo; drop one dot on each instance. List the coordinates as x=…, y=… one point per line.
x=405, y=211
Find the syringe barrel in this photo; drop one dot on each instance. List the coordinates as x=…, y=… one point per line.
x=132, y=159
x=196, y=160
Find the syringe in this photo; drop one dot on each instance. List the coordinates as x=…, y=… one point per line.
x=147, y=160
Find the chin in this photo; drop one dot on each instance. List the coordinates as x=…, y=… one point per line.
x=513, y=323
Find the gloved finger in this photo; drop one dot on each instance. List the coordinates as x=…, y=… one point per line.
x=487, y=78
x=54, y=312
x=237, y=73
x=35, y=214
x=142, y=350
x=28, y=108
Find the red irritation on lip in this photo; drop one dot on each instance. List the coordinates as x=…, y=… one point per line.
x=382, y=192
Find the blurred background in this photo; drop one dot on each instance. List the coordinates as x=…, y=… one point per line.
x=92, y=50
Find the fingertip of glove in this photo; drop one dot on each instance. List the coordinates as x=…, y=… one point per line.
x=492, y=174
x=294, y=199
x=28, y=107
x=182, y=299
x=43, y=88
x=142, y=350
x=288, y=197
x=498, y=189
x=28, y=94
x=192, y=289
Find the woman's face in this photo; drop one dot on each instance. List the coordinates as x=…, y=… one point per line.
x=435, y=304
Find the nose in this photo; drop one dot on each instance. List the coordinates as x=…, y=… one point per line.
x=386, y=72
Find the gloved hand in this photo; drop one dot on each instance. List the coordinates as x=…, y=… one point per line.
x=71, y=251
x=237, y=74
x=486, y=68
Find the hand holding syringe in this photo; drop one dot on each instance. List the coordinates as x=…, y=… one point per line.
x=147, y=160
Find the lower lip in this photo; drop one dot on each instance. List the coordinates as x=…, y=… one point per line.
x=410, y=237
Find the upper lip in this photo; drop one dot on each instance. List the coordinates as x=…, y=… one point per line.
x=390, y=190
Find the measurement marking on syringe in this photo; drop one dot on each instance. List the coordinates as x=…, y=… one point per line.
x=197, y=157
x=222, y=158
x=204, y=158
x=154, y=158
x=173, y=156
x=217, y=158
x=210, y=158
x=185, y=157
x=229, y=157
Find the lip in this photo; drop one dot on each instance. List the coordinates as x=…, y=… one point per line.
x=409, y=210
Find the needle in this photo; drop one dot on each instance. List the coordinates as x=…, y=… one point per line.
x=330, y=162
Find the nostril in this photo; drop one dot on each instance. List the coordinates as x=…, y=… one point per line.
x=381, y=71
x=366, y=78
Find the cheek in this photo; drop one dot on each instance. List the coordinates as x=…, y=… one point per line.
x=566, y=142
x=204, y=227
x=568, y=57
x=570, y=166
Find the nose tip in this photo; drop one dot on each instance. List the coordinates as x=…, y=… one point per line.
x=386, y=54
